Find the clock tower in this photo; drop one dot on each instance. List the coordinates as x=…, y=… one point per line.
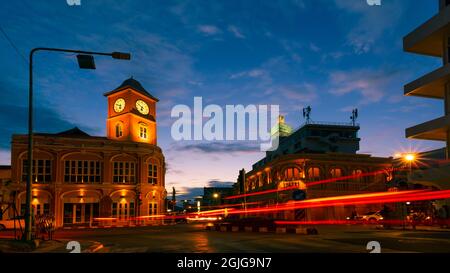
x=131, y=113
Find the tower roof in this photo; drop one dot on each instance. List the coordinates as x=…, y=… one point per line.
x=133, y=84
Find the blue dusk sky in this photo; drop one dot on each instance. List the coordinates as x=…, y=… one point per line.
x=331, y=54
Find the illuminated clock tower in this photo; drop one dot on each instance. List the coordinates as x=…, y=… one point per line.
x=131, y=113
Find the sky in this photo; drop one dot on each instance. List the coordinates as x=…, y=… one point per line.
x=334, y=55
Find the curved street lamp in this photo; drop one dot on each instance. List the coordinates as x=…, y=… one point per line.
x=85, y=61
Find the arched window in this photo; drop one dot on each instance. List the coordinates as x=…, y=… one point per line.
x=261, y=180
x=143, y=130
x=357, y=176
x=336, y=172
x=292, y=174
x=119, y=129
x=313, y=174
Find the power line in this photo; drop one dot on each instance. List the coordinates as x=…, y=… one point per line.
x=13, y=45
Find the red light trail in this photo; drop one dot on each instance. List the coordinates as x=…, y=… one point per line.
x=358, y=199
x=309, y=184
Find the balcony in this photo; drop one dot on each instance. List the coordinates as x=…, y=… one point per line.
x=431, y=130
x=428, y=39
x=432, y=85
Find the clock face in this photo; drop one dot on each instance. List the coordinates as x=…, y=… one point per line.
x=119, y=105
x=142, y=107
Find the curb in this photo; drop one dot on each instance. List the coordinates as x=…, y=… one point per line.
x=108, y=226
x=277, y=230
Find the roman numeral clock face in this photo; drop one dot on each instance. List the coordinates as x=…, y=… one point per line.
x=119, y=105
x=142, y=107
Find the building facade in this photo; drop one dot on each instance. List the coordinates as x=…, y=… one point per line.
x=432, y=39
x=83, y=179
x=315, y=153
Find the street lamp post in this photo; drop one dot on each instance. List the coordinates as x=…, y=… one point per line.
x=84, y=62
x=409, y=158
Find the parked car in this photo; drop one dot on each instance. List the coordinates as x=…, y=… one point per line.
x=372, y=217
x=9, y=224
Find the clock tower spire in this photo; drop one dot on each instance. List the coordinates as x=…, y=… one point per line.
x=131, y=113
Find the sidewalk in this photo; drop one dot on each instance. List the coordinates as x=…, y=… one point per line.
x=418, y=228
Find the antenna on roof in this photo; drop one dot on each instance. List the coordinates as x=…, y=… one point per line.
x=354, y=116
x=307, y=114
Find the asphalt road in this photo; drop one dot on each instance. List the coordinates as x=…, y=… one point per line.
x=194, y=238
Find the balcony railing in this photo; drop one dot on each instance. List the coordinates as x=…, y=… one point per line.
x=331, y=123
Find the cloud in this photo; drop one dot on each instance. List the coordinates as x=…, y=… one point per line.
x=208, y=30
x=236, y=32
x=215, y=183
x=14, y=120
x=299, y=92
x=370, y=84
x=372, y=23
x=253, y=73
x=219, y=147
x=190, y=193
x=314, y=48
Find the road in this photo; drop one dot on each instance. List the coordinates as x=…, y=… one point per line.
x=194, y=238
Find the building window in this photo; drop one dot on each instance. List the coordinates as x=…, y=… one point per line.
x=119, y=129
x=313, y=174
x=124, y=172
x=292, y=174
x=357, y=176
x=336, y=173
x=143, y=131
x=82, y=171
x=114, y=210
x=42, y=171
x=153, y=208
x=132, y=209
x=153, y=173
x=260, y=181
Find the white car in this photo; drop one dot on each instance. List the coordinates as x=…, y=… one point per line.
x=9, y=224
x=372, y=217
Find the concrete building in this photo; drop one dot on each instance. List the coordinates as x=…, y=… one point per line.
x=432, y=38
x=80, y=178
x=316, y=152
x=314, y=137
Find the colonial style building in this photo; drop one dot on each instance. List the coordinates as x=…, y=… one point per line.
x=81, y=179
x=316, y=152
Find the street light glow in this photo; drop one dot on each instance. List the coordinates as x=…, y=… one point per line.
x=410, y=157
